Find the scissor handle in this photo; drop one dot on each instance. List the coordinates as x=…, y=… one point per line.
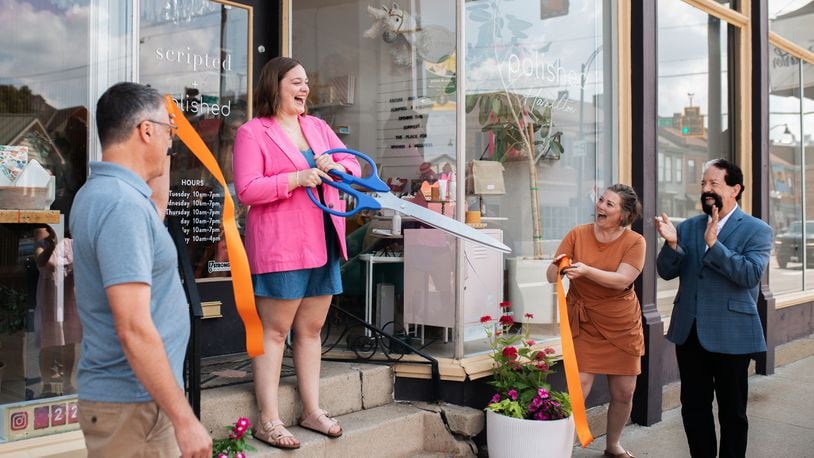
x=371, y=182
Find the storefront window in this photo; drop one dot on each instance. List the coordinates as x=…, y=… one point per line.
x=792, y=19
x=540, y=131
x=695, y=83
x=44, y=131
x=807, y=146
x=198, y=52
x=383, y=79
x=787, y=186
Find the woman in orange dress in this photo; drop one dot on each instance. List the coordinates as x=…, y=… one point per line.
x=604, y=312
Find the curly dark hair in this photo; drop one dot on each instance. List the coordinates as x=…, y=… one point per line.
x=629, y=201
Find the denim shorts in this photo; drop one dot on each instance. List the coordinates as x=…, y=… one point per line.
x=296, y=284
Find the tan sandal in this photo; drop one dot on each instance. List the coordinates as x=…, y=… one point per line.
x=320, y=422
x=273, y=433
x=624, y=454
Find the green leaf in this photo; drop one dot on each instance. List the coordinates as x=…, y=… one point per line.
x=471, y=101
x=495, y=102
x=483, y=116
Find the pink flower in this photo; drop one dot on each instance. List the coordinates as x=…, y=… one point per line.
x=240, y=455
x=506, y=320
x=543, y=393
x=529, y=315
x=513, y=394
x=495, y=398
x=223, y=455
x=531, y=342
x=485, y=319
x=549, y=351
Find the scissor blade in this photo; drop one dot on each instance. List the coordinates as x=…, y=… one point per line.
x=437, y=220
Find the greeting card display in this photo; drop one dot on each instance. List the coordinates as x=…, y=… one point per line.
x=13, y=160
x=24, y=184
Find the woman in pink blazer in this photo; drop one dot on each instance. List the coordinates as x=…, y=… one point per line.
x=293, y=246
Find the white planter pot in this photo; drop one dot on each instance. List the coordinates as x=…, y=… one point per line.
x=508, y=437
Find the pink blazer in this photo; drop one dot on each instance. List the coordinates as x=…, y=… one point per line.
x=284, y=230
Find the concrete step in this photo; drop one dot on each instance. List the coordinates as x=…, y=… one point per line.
x=393, y=430
x=344, y=388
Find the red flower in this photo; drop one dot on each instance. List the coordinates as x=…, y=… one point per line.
x=485, y=319
x=539, y=356
x=505, y=304
x=549, y=351
x=506, y=320
x=529, y=315
x=510, y=352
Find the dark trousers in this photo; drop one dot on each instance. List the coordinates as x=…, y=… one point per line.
x=702, y=374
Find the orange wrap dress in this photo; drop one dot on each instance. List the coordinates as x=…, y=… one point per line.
x=606, y=323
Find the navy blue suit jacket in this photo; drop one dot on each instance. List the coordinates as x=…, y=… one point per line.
x=718, y=287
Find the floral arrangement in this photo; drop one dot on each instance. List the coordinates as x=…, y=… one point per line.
x=520, y=372
x=234, y=445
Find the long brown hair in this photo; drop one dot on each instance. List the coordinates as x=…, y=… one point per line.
x=267, y=91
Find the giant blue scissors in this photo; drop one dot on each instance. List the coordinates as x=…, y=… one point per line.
x=375, y=195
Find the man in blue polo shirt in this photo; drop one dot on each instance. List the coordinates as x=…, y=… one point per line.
x=129, y=295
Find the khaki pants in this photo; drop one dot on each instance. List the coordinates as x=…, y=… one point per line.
x=126, y=430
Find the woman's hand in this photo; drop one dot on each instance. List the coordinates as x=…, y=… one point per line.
x=309, y=177
x=556, y=260
x=553, y=271
x=576, y=270
x=325, y=162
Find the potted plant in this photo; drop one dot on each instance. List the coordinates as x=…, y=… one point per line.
x=234, y=445
x=525, y=417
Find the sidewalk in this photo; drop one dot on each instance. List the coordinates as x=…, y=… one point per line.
x=781, y=420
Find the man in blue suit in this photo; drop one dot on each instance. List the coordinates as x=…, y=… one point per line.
x=719, y=258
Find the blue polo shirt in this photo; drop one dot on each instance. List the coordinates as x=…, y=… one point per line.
x=119, y=238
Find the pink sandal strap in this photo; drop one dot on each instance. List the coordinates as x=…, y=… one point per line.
x=321, y=422
x=273, y=432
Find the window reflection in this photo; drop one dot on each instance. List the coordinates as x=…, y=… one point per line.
x=807, y=146
x=540, y=103
x=786, y=187
x=197, y=52
x=44, y=79
x=792, y=19
x=694, y=87
x=386, y=85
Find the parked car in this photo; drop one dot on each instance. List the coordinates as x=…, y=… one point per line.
x=787, y=244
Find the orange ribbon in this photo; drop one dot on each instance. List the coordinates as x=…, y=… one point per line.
x=238, y=261
x=570, y=361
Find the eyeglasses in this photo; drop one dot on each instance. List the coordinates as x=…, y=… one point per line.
x=173, y=128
